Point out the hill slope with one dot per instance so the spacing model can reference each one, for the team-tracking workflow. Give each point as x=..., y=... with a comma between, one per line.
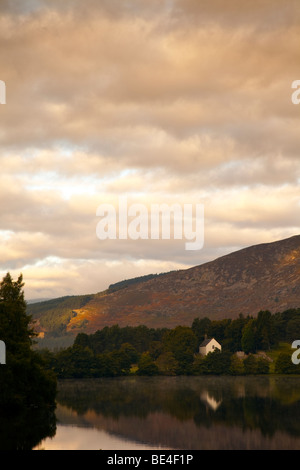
x=265, y=276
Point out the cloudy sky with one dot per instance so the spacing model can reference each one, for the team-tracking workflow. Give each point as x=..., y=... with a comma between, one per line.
x=161, y=101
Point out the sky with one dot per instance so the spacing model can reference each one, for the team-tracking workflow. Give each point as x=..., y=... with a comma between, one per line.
x=161, y=101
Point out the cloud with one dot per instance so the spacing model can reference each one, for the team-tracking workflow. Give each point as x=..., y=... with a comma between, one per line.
x=185, y=101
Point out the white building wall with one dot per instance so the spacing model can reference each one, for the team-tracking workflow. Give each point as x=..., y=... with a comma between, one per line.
x=210, y=347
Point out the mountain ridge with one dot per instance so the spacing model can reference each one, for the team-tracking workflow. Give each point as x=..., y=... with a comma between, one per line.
x=260, y=277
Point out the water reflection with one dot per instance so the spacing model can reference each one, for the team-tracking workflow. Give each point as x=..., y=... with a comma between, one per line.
x=87, y=438
x=25, y=428
x=210, y=401
x=180, y=413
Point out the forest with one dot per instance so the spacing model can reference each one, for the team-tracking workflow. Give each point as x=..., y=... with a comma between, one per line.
x=115, y=351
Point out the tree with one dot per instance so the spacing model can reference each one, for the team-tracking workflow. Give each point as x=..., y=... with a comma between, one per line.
x=249, y=337
x=293, y=328
x=233, y=334
x=155, y=349
x=181, y=342
x=200, y=327
x=266, y=336
x=250, y=365
x=82, y=339
x=218, y=363
x=15, y=327
x=218, y=329
x=146, y=365
x=263, y=366
x=23, y=378
x=200, y=365
x=284, y=364
x=167, y=364
x=236, y=365
x=128, y=356
x=256, y=365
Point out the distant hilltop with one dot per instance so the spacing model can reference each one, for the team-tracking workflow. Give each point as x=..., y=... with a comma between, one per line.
x=135, y=280
x=260, y=277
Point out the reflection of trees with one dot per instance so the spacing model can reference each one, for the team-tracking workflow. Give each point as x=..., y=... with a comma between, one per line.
x=26, y=428
x=248, y=404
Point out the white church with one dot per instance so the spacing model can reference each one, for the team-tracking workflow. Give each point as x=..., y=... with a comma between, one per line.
x=209, y=345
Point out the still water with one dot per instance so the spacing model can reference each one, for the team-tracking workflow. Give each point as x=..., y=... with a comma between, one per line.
x=187, y=413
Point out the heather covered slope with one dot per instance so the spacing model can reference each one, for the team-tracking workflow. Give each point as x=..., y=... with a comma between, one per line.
x=260, y=277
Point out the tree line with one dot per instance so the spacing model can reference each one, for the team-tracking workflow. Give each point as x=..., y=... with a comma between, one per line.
x=115, y=351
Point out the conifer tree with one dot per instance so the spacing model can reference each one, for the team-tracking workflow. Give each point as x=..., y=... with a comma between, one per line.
x=23, y=379
x=15, y=325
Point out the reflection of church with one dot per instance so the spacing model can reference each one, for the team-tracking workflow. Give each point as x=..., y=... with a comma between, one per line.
x=210, y=401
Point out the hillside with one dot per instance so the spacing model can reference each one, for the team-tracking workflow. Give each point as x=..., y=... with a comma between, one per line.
x=260, y=277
